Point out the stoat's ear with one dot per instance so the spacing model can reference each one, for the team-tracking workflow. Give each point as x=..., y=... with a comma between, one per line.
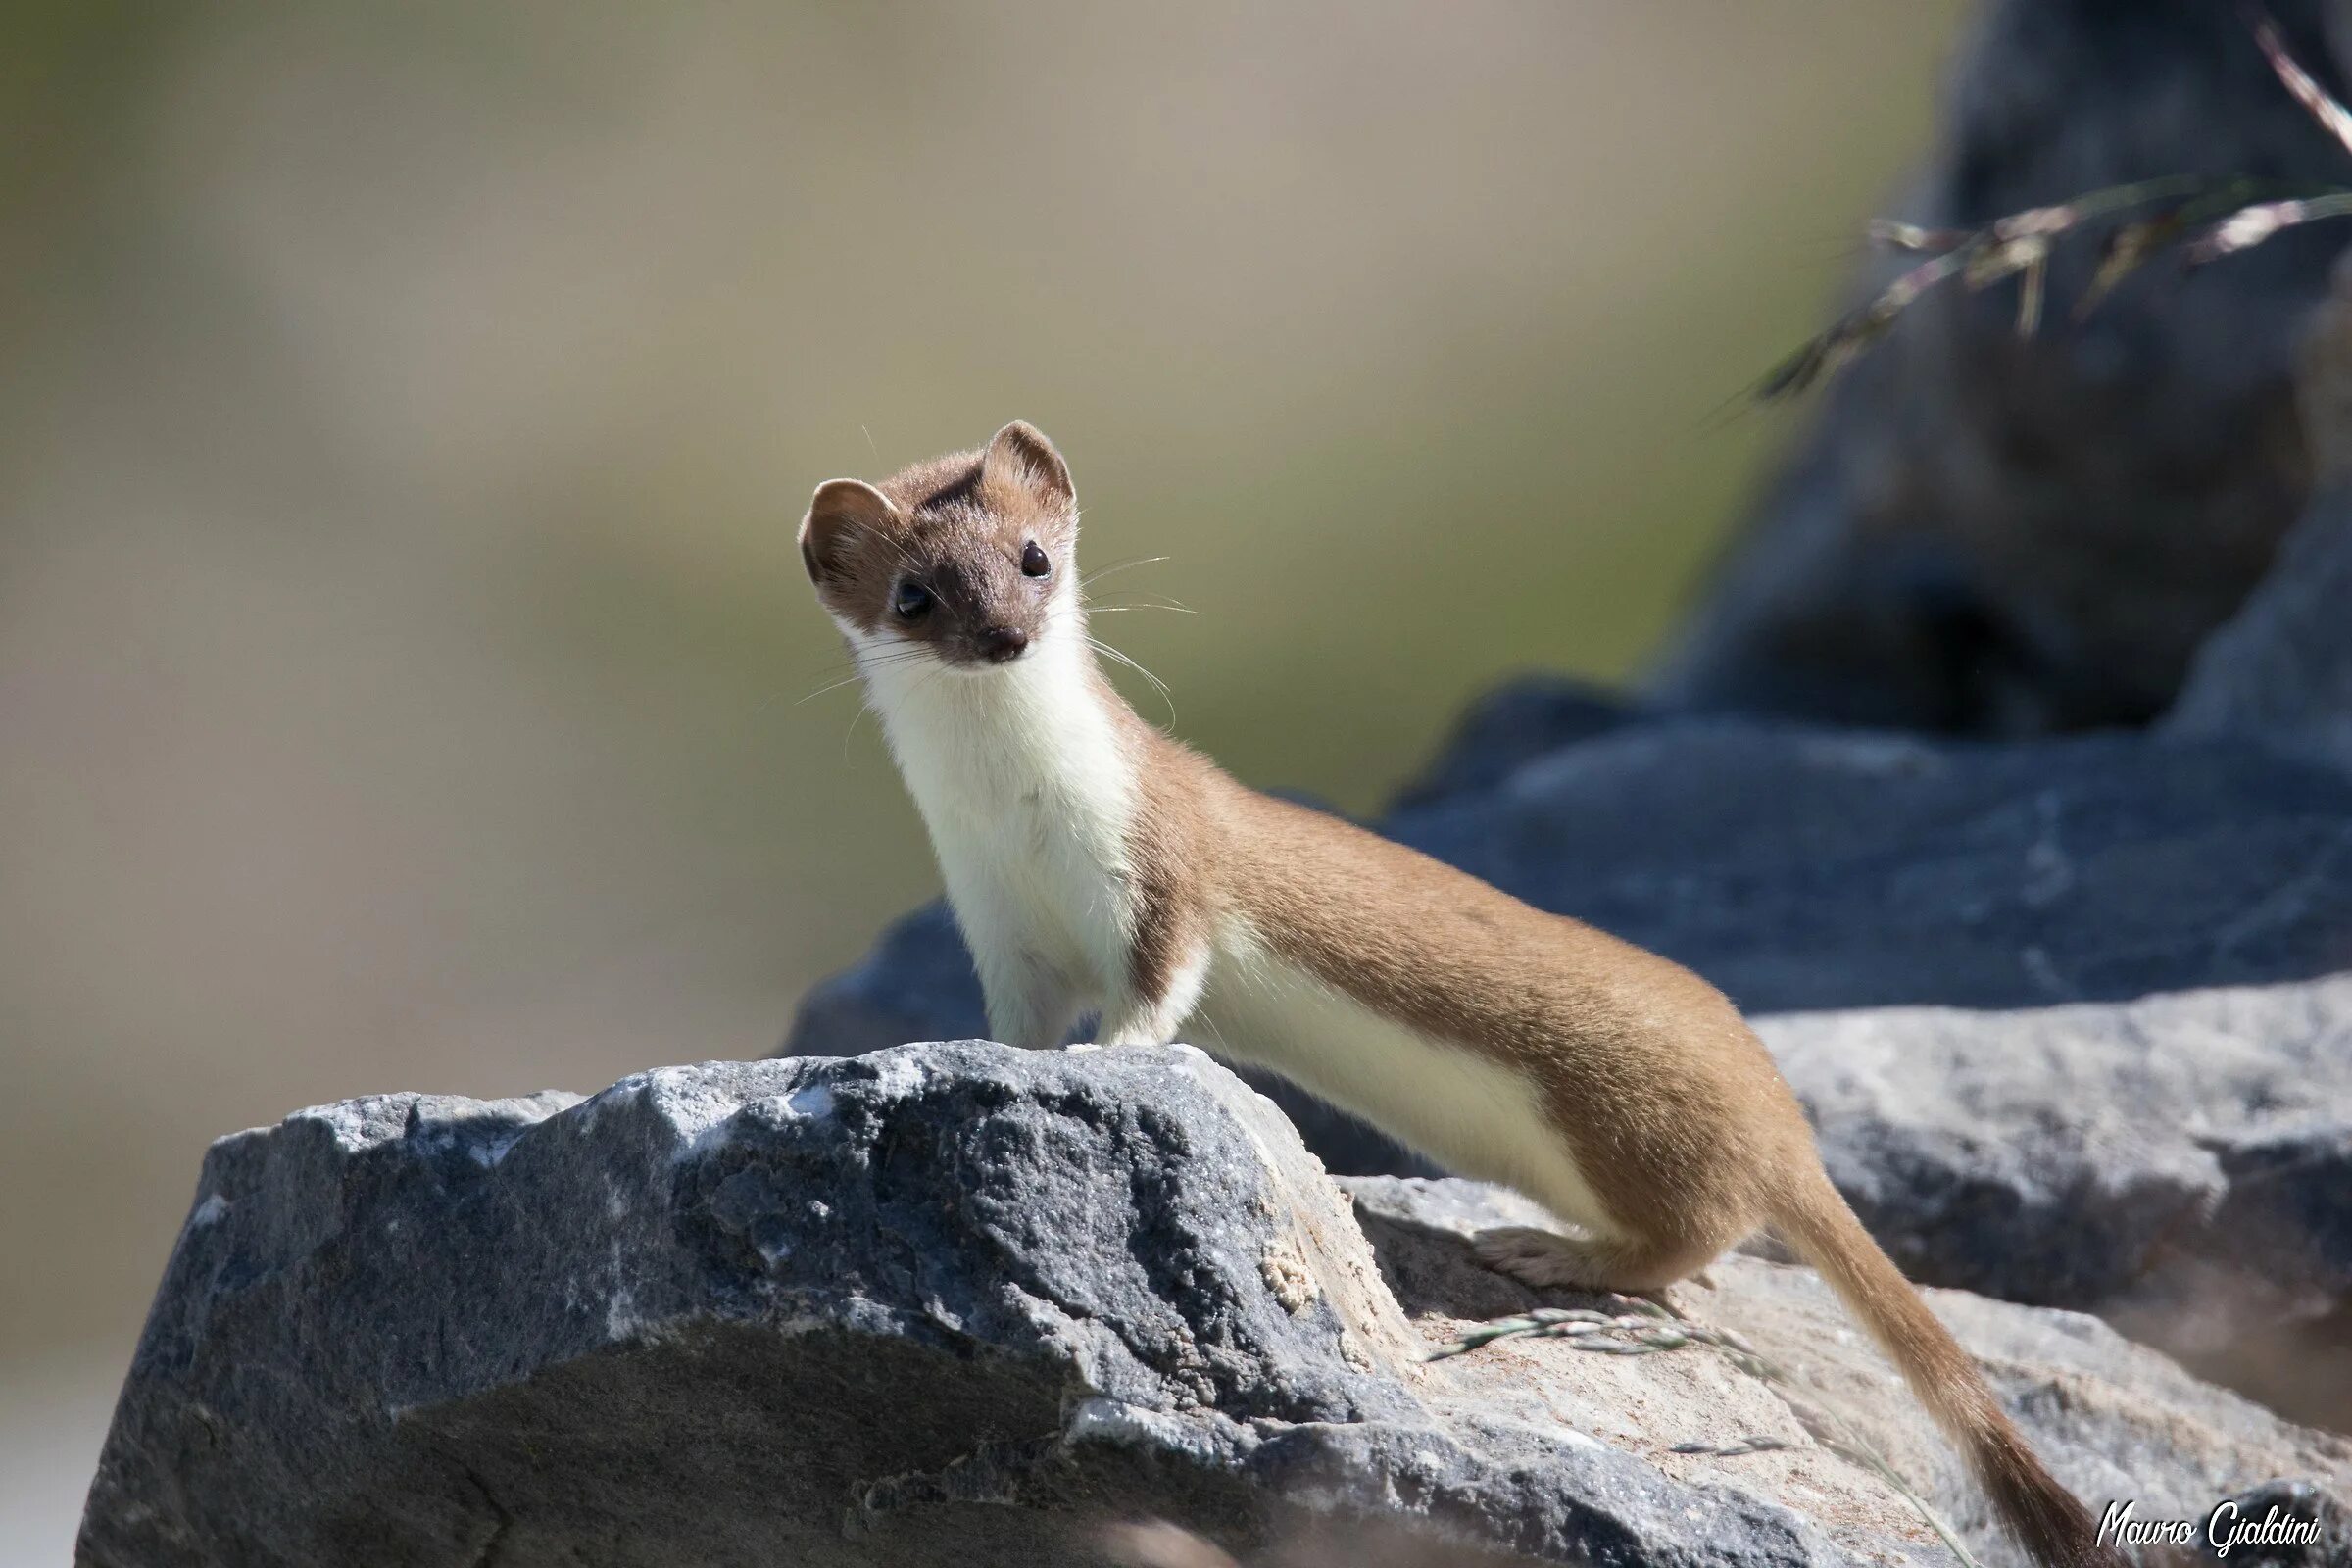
x=1020, y=456
x=838, y=515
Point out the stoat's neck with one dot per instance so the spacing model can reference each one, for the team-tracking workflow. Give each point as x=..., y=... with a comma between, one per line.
x=1040, y=738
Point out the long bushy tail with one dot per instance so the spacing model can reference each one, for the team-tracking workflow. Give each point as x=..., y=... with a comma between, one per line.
x=2046, y=1519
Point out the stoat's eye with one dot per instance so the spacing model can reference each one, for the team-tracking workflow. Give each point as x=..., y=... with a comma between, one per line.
x=910, y=602
x=1033, y=561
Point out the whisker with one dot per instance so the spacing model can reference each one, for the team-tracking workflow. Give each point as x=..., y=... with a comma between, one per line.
x=1093, y=578
x=880, y=661
x=830, y=686
x=1112, y=610
x=859, y=666
x=1108, y=652
x=870, y=659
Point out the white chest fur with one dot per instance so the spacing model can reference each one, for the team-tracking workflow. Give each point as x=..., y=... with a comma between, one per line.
x=1022, y=778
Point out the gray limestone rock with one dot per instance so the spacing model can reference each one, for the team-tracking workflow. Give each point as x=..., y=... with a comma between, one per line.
x=2183, y=1164
x=2112, y=1419
x=957, y=1304
x=1803, y=869
x=944, y=1303
x=2281, y=670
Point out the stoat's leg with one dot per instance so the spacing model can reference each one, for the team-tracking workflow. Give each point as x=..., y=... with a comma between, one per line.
x=1134, y=1020
x=1548, y=1260
x=1029, y=1004
x=1141, y=1023
x=1033, y=1019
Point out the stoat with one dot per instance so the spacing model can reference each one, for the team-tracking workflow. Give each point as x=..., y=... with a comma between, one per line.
x=1099, y=867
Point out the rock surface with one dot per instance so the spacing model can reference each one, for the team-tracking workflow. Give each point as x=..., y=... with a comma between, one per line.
x=2095, y=1154
x=2183, y=1164
x=1984, y=534
x=1804, y=870
x=2281, y=670
x=2111, y=1418
x=2282, y=667
x=1512, y=725
x=954, y=1303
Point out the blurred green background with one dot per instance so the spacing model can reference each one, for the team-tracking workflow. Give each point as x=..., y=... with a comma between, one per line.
x=405, y=411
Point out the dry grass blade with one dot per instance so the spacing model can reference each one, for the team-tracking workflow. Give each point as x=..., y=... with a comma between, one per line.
x=2020, y=244
x=1737, y=1447
x=1832, y=351
x=2128, y=245
x=2029, y=288
x=1897, y=235
x=1989, y=263
x=2249, y=227
x=2308, y=93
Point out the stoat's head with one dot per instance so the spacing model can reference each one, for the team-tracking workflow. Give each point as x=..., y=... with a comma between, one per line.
x=968, y=557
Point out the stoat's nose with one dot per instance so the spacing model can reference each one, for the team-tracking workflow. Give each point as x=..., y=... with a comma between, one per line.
x=998, y=644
